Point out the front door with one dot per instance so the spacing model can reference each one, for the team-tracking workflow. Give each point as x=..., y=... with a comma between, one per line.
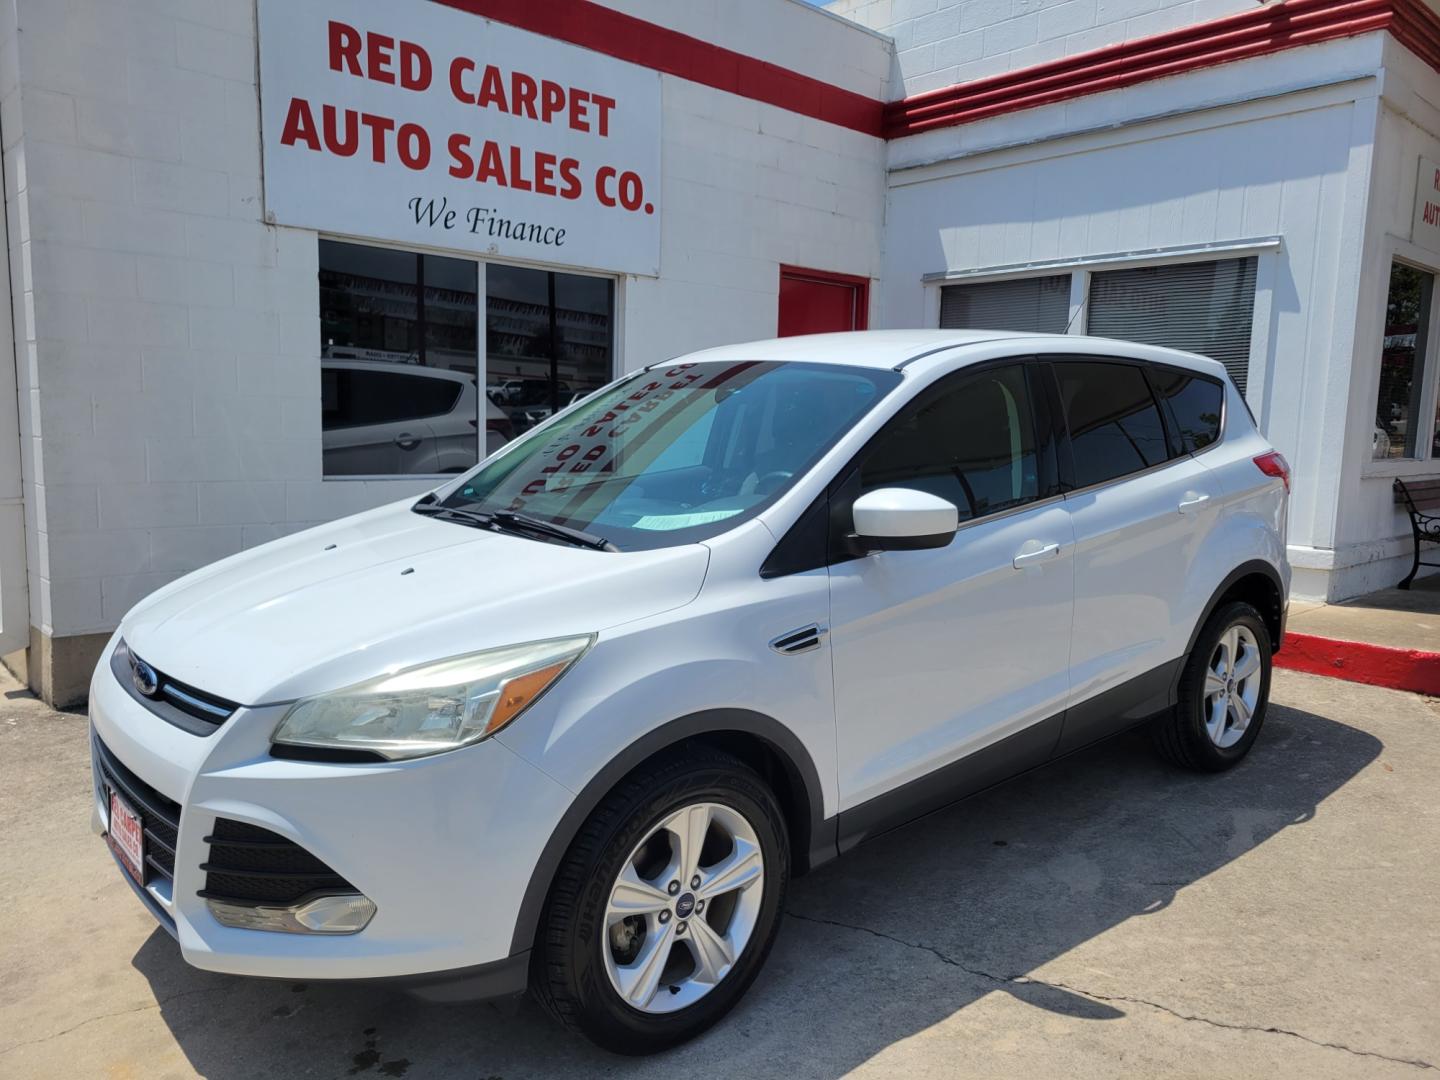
x=817, y=302
x=951, y=665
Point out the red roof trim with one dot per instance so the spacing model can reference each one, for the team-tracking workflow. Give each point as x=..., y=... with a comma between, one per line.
x=604, y=30
x=1269, y=29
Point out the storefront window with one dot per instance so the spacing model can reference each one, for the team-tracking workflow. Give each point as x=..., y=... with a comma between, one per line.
x=548, y=338
x=1399, y=428
x=402, y=361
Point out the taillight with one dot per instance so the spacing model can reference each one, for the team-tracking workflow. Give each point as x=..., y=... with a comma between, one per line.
x=1274, y=464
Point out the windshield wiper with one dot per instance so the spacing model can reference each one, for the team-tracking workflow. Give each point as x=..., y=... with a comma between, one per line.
x=524, y=522
x=473, y=518
x=511, y=522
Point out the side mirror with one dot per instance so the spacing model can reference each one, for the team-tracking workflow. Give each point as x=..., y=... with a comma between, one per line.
x=902, y=519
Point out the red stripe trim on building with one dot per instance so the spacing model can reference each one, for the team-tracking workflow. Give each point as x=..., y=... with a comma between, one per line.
x=625, y=37
x=1269, y=29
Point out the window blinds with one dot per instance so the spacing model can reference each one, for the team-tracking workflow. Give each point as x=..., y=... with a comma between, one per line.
x=1204, y=307
x=1039, y=305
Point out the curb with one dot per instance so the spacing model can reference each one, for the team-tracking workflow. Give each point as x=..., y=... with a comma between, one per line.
x=1359, y=661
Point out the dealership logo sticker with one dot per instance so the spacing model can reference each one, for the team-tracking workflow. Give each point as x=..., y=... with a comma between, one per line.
x=445, y=128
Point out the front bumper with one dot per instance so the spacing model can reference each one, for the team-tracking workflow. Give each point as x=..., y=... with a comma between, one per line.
x=444, y=846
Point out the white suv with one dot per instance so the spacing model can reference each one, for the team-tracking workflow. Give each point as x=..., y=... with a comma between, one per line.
x=572, y=720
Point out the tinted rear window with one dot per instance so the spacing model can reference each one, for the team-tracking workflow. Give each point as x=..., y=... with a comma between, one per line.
x=1114, y=423
x=352, y=398
x=1195, y=403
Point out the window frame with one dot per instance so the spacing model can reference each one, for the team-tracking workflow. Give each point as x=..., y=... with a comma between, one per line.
x=1407, y=254
x=420, y=481
x=1167, y=421
x=844, y=489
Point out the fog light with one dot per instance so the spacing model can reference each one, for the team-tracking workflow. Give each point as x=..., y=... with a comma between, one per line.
x=339, y=913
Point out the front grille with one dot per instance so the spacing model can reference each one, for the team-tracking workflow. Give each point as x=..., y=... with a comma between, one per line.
x=173, y=701
x=159, y=816
x=251, y=865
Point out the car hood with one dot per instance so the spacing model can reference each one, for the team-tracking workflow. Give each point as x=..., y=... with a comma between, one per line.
x=386, y=590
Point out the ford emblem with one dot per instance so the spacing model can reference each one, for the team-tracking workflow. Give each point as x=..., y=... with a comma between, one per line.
x=144, y=677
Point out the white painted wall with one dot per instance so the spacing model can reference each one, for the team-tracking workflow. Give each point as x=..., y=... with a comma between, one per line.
x=1292, y=163
x=1372, y=546
x=14, y=579
x=943, y=42
x=169, y=337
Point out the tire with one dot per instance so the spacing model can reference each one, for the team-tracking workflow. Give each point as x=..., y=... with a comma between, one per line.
x=1201, y=734
x=585, y=953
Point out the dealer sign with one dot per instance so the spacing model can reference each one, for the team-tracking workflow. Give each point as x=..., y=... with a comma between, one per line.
x=1425, y=227
x=420, y=123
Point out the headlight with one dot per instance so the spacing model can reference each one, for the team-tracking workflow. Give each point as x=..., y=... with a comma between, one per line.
x=435, y=707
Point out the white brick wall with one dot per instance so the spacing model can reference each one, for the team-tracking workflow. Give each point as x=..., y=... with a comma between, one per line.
x=167, y=337
x=943, y=42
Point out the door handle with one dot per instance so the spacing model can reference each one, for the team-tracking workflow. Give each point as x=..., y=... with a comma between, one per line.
x=1033, y=552
x=406, y=441
x=1193, y=500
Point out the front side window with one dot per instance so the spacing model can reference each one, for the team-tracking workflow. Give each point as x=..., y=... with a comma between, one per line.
x=1115, y=427
x=1195, y=403
x=677, y=454
x=1398, y=419
x=972, y=444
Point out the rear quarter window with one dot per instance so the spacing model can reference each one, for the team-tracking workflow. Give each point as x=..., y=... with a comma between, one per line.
x=1195, y=403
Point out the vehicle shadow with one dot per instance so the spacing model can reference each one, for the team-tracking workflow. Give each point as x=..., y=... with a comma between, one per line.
x=878, y=946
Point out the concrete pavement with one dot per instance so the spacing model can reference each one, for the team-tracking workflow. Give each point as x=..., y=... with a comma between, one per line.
x=1105, y=916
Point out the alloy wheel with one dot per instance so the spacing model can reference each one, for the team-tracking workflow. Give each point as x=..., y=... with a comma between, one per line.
x=683, y=907
x=1232, y=686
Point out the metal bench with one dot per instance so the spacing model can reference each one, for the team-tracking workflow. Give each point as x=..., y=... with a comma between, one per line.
x=1421, y=498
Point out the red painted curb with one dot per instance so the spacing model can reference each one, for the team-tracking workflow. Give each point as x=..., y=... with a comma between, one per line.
x=1359, y=661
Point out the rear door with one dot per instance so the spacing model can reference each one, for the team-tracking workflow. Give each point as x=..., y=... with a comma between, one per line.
x=1140, y=506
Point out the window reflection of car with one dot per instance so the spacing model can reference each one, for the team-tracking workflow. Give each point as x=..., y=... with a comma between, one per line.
x=383, y=418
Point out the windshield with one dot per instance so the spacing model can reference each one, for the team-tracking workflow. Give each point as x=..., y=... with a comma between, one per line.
x=678, y=454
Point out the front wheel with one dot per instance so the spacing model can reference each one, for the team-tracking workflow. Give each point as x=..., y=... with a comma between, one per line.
x=666, y=904
x=1224, y=691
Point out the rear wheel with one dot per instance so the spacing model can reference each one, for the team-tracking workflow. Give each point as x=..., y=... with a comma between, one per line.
x=666, y=904
x=1224, y=691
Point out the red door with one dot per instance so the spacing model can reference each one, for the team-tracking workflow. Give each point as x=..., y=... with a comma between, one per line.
x=816, y=301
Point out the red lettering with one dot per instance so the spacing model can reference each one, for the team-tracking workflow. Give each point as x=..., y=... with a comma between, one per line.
x=379, y=53
x=491, y=167
x=379, y=127
x=462, y=165
x=552, y=99
x=570, y=178
x=413, y=143
x=415, y=69
x=544, y=173
x=300, y=125
x=579, y=99
x=460, y=67
x=517, y=171
x=522, y=93
x=605, y=104
x=344, y=48
x=602, y=185
x=492, y=90
x=345, y=144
